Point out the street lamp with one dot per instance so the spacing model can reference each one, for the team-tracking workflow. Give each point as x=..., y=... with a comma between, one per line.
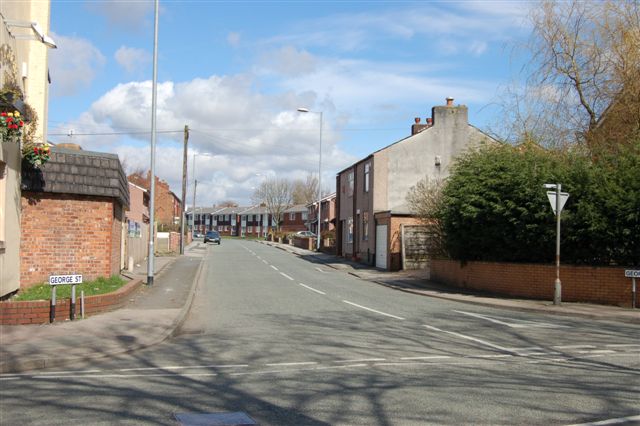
x=195, y=187
x=152, y=183
x=305, y=110
x=557, y=199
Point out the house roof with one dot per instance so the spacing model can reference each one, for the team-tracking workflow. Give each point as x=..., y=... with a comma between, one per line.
x=79, y=172
x=296, y=209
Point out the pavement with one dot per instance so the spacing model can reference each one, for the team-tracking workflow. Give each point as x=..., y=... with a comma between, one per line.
x=155, y=313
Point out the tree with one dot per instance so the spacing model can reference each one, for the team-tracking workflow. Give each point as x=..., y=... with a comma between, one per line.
x=585, y=57
x=424, y=200
x=275, y=193
x=305, y=191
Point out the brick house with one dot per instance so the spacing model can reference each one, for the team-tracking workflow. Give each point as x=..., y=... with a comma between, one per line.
x=295, y=219
x=327, y=215
x=73, y=216
x=371, y=193
x=254, y=221
x=168, y=206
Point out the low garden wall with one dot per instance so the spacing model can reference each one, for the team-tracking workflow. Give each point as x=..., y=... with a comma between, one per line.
x=37, y=311
x=602, y=285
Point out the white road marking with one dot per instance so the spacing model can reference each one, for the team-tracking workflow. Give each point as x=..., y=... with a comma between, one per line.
x=362, y=360
x=290, y=363
x=415, y=358
x=320, y=270
x=617, y=421
x=489, y=356
x=294, y=370
x=265, y=262
x=312, y=289
x=482, y=342
x=517, y=324
x=624, y=345
x=286, y=276
x=259, y=257
x=274, y=267
x=184, y=367
x=372, y=310
x=9, y=378
x=126, y=376
x=601, y=351
x=574, y=347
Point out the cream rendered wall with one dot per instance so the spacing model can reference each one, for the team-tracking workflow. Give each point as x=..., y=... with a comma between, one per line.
x=13, y=53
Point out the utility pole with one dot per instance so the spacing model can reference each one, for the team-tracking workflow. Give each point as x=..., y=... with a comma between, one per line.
x=152, y=184
x=184, y=187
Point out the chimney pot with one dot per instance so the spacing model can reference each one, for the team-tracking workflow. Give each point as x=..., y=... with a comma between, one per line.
x=449, y=101
x=429, y=121
x=417, y=120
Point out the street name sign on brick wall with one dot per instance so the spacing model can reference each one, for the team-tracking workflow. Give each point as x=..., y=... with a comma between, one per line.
x=631, y=273
x=65, y=279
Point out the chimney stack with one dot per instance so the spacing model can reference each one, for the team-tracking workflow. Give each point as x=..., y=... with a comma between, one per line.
x=449, y=101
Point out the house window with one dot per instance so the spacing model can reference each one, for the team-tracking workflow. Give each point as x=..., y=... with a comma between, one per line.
x=350, y=230
x=220, y=228
x=350, y=186
x=249, y=229
x=250, y=218
x=365, y=226
x=305, y=215
x=292, y=216
x=367, y=170
x=226, y=217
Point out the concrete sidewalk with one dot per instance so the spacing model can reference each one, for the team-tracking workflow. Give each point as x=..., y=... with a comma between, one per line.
x=417, y=282
x=151, y=315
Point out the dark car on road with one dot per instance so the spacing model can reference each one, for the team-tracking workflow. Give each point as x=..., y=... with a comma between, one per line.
x=212, y=236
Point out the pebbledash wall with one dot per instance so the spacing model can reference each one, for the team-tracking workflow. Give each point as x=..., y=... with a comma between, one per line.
x=602, y=285
x=72, y=216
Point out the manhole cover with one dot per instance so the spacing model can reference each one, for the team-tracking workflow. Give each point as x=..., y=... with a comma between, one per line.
x=215, y=419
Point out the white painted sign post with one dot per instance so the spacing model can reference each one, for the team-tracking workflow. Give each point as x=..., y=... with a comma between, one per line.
x=56, y=280
x=557, y=199
x=633, y=274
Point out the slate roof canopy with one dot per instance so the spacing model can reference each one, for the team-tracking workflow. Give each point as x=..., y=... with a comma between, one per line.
x=79, y=172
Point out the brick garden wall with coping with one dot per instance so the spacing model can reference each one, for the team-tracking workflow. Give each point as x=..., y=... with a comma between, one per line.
x=37, y=311
x=602, y=285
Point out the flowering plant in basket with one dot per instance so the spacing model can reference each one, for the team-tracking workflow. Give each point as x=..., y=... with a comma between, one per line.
x=11, y=124
x=36, y=154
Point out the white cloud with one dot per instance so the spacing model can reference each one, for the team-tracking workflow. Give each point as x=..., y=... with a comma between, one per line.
x=132, y=59
x=289, y=61
x=74, y=65
x=125, y=15
x=245, y=132
x=233, y=39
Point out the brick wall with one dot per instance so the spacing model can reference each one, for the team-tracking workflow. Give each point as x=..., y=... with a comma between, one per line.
x=64, y=234
x=601, y=285
x=165, y=203
x=37, y=311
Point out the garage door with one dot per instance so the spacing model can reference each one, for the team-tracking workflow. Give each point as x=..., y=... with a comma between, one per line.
x=381, y=246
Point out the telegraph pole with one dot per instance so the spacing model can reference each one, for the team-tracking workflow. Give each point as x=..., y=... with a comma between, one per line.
x=184, y=187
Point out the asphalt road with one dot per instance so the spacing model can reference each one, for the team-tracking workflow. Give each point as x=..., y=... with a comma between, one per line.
x=289, y=342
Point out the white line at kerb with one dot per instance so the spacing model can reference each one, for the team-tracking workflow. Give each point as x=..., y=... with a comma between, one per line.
x=372, y=310
x=311, y=288
x=274, y=267
x=619, y=420
x=482, y=342
x=286, y=276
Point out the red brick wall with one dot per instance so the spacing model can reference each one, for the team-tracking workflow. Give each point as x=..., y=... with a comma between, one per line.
x=579, y=283
x=166, y=206
x=37, y=312
x=64, y=234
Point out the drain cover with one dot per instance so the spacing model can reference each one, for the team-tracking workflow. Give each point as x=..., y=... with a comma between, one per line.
x=215, y=419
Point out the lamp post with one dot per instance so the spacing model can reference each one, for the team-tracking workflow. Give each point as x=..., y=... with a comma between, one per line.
x=557, y=199
x=152, y=184
x=306, y=110
x=195, y=187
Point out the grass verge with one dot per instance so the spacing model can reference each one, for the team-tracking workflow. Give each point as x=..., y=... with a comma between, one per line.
x=98, y=286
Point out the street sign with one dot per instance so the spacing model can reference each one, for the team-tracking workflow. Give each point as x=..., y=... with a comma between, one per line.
x=551, y=195
x=65, y=279
x=631, y=273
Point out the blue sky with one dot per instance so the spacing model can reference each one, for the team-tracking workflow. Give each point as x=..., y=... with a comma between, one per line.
x=236, y=72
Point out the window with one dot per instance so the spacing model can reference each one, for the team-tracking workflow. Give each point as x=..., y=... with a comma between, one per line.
x=365, y=226
x=250, y=218
x=226, y=217
x=220, y=228
x=367, y=170
x=305, y=215
x=350, y=187
x=350, y=230
x=292, y=216
x=249, y=229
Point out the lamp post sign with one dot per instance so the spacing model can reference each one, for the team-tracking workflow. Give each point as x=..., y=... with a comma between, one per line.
x=56, y=280
x=557, y=199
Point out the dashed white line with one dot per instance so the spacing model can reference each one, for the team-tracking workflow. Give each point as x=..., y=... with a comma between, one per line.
x=9, y=378
x=320, y=270
x=265, y=262
x=602, y=351
x=290, y=363
x=617, y=421
x=482, y=342
x=184, y=367
x=623, y=345
x=574, y=347
x=372, y=310
x=362, y=360
x=286, y=276
x=273, y=267
x=312, y=289
x=416, y=358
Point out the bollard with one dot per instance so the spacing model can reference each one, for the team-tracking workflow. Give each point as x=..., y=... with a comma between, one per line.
x=52, y=309
x=82, y=303
x=72, y=314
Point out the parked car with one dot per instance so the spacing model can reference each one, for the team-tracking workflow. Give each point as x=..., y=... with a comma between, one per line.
x=305, y=234
x=212, y=236
x=197, y=235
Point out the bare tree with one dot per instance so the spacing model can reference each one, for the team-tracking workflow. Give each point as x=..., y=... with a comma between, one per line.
x=276, y=195
x=305, y=191
x=424, y=200
x=585, y=56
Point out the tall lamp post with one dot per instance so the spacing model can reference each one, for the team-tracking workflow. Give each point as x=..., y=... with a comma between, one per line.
x=318, y=236
x=152, y=184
